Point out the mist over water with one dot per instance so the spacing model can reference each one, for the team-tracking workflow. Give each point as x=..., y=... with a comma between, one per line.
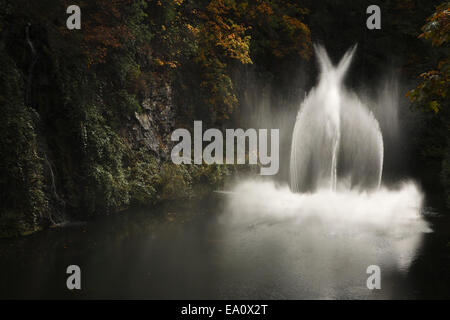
x=320, y=243
x=371, y=219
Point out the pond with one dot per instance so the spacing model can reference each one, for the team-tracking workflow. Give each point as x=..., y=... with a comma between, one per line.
x=197, y=249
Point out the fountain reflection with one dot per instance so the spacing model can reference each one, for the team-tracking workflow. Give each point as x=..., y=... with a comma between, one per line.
x=322, y=242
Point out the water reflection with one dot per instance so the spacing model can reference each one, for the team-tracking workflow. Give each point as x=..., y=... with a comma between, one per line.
x=258, y=242
x=319, y=245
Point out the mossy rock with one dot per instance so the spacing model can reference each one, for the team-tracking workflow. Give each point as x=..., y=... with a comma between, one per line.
x=14, y=224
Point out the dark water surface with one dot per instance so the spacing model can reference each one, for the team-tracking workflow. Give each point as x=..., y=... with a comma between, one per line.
x=182, y=251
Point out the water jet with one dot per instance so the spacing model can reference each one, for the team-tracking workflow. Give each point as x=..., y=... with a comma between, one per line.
x=336, y=139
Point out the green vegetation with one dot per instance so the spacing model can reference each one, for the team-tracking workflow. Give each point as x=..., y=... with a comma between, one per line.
x=21, y=166
x=431, y=95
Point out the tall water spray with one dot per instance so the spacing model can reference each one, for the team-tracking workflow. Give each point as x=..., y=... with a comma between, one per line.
x=336, y=139
x=317, y=238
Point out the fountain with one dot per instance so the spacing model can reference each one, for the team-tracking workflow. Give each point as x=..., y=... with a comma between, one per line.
x=316, y=237
x=336, y=139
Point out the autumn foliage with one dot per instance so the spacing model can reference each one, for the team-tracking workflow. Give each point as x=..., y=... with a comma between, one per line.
x=432, y=91
x=212, y=38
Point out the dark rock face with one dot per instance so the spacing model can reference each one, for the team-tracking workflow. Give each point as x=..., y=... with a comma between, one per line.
x=153, y=126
